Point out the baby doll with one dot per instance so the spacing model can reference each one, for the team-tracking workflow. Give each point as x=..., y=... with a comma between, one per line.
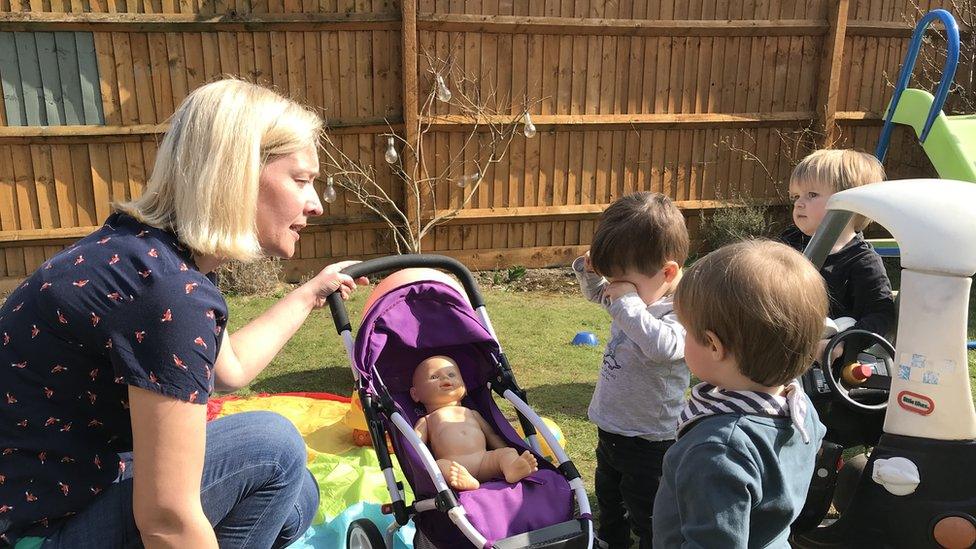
x=459, y=437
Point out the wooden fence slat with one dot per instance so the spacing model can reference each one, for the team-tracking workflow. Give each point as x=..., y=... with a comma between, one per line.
x=30, y=77
x=196, y=71
x=47, y=201
x=65, y=65
x=13, y=87
x=175, y=60
x=313, y=68
x=263, y=67
x=47, y=60
x=101, y=176
x=160, y=70
x=120, y=172
x=210, y=45
x=82, y=178
x=27, y=212
x=135, y=168
x=125, y=83
x=295, y=52
x=89, y=81
x=13, y=258
x=107, y=78
x=64, y=185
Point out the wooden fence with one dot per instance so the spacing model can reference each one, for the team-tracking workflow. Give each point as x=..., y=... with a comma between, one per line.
x=703, y=100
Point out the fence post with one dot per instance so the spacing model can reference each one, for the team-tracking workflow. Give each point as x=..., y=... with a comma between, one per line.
x=411, y=117
x=830, y=69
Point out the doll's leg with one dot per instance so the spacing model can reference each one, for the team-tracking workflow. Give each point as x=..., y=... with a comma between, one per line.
x=456, y=475
x=508, y=463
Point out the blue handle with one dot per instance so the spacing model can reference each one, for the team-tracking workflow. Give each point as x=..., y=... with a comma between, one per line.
x=948, y=73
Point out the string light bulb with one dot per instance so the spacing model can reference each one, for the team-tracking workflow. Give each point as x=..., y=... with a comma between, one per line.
x=390, y=155
x=529, y=129
x=443, y=94
x=465, y=180
x=329, y=194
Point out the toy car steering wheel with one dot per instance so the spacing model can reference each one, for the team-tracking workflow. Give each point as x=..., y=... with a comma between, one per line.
x=877, y=384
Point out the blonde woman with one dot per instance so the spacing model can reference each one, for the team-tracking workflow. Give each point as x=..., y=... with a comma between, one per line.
x=112, y=348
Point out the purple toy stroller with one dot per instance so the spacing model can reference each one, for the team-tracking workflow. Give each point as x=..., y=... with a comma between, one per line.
x=403, y=327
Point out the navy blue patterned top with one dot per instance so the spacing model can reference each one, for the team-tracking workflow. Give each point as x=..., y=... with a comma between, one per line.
x=123, y=306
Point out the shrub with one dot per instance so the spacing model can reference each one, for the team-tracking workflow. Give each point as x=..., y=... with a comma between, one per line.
x=737, y=222
x=259, y=277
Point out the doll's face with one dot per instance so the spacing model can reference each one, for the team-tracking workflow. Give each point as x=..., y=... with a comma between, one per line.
x=437, y=380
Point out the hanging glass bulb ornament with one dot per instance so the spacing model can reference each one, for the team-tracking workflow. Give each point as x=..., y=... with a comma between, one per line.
x=329, y=194
x=466, y=180
x=390, y=155
x=529, y=129
x=443, y=94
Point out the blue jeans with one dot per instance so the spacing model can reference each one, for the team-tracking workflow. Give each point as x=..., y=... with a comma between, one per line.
x=255, y=490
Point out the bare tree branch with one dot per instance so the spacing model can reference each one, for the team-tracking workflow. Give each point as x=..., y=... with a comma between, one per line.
x=489, y=131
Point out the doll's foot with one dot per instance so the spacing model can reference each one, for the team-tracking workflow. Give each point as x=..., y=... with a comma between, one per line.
x=521, y=467
x=460, y=479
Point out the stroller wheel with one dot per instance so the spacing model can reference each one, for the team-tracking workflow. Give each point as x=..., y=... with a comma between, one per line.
x=363, y=534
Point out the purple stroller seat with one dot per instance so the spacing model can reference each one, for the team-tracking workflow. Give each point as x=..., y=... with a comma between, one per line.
x=402, y=328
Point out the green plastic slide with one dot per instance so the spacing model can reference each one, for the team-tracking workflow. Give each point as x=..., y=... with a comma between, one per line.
x=951, y=144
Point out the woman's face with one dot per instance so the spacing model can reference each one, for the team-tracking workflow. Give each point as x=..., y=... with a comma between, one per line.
x=286, y=199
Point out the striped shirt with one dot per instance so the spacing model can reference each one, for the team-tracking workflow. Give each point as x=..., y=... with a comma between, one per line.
x=707, y=400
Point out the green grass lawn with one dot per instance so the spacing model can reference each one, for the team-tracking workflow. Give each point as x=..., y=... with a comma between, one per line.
x=534, y=330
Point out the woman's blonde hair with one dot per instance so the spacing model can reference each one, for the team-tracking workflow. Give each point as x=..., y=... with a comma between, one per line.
x=204, y=184
x=839, y=170
x=763, y=300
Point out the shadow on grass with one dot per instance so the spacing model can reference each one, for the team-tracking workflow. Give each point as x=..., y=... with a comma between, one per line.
x=569, y=399
x=332, y=379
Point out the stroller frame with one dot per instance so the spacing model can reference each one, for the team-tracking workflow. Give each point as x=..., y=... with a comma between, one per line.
x=568, y=534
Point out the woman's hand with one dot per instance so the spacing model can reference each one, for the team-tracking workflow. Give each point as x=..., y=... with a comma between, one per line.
x=330, y=280
x=253, y=346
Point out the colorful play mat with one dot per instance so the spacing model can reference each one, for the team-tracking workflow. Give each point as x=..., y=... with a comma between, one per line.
x=351, y=484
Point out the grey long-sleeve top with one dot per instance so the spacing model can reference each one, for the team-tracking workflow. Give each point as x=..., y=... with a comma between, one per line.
x=643, y=377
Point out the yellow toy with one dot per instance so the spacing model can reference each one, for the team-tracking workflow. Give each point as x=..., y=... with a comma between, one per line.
x=543, y=445
x=356, y=420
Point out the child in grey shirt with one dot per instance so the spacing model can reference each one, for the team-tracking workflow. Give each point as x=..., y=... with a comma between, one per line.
x=632, y=269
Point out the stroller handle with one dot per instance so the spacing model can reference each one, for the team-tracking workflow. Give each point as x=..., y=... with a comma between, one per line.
x=395, y=263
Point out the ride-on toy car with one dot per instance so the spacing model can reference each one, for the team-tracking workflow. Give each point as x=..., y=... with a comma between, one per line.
x=918, y=485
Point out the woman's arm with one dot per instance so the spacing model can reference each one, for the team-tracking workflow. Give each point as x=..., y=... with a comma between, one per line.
x=250, y=349
x=169, y=442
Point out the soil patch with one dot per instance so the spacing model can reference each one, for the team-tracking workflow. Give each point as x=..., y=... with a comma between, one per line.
x=551, y=281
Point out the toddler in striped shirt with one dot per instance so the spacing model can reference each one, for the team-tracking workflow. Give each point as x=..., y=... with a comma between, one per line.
x=748, y=436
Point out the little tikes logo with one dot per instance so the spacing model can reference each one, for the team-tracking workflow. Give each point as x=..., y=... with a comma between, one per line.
x=916, y=403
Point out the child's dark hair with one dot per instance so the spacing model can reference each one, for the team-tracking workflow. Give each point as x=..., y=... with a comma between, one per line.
x=641, y=232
